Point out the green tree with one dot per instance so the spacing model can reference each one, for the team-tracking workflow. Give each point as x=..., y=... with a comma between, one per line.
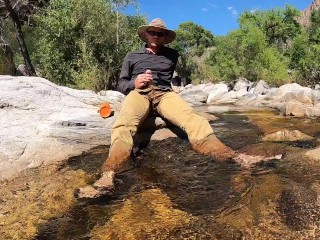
x=305, y=51
x=78, y=44
x=314, y=29
x=299, y=50
x=246, y=53
x=19, y=12
x=279, y=25
x=191, y=42
x=227, y=55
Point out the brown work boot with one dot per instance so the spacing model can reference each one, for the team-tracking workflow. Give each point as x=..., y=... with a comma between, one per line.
x=102, y=187
x=119, y=154
x=211, y=145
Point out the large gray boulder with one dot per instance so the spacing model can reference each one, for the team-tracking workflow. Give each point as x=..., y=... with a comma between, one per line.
x=242, y=83
x=209, y=87
x=312, y=111
x=43, y=123
x=194, y=96
x=293, y=108
x=294, y=100
x=217, y=92
x=292, y=87
x=315, y=96
x=231, y=97
x=253, y=100
x=300, y=96
x=261, y=87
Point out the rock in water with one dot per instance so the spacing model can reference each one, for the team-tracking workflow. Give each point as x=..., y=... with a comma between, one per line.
x=248, y=160
x=287, y=135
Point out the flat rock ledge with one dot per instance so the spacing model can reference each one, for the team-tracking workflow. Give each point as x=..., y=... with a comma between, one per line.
x=43, y=122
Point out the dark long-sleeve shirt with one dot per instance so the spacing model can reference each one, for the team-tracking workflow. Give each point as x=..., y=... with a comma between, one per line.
x=161, y=64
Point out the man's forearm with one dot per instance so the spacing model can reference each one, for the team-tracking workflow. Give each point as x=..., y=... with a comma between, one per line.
x=125, y=86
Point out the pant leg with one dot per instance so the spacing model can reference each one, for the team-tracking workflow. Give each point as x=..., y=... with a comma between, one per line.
x=135, y=108
x=172, y=107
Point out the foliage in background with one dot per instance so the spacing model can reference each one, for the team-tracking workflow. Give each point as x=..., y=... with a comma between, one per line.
x=19, y=12
x=278, y=25
x=245, y=53
x=260, y=49
x=305, y=52
x=191, y=42
x=77, y=44
x=82, y=44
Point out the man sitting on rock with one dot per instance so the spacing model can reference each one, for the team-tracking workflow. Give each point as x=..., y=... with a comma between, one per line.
x=145, y=78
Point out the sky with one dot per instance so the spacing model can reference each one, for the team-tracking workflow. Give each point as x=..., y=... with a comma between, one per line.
x=219, y=17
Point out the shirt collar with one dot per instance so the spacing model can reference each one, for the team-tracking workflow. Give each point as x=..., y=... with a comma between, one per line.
x=144, y=49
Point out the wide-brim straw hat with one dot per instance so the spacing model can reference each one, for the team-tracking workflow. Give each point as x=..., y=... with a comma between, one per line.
x=160, y=24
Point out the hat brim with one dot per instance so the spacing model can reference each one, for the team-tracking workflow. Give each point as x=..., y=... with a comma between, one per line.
x=168, y=38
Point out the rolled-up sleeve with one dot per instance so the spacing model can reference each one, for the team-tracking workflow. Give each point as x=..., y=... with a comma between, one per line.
x=126, y=84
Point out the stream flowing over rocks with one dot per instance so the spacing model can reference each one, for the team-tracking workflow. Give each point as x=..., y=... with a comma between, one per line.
x=44, y=123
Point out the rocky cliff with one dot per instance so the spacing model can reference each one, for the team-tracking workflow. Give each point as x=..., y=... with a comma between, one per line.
x=305, y=15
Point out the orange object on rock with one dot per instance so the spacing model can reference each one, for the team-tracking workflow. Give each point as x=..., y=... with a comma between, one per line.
x=105, y=110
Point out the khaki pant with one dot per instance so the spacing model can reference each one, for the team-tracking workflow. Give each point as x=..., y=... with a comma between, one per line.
x=135, y=109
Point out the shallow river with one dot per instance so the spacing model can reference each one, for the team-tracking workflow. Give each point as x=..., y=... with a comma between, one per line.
x=171, y=192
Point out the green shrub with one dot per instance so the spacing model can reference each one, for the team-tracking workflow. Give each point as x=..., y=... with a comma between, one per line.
x=77, y=43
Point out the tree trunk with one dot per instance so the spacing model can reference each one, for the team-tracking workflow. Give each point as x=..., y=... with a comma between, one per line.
x=20, y=37
x=117, y=29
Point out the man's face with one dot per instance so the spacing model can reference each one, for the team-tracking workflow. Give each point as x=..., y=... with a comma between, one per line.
x=155, y=37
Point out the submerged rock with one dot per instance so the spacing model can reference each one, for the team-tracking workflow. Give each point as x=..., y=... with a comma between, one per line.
x=175, y=193
x=299, y=209
x=34, y=197
x=314, y=154
x=287, y=135
x=248, y=160
x=148, y=213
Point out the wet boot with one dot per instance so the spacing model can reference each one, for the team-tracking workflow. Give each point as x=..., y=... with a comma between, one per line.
x=211, y=145
x=104, y=186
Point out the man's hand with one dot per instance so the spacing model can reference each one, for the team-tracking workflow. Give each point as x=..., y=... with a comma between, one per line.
x=143, y=80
